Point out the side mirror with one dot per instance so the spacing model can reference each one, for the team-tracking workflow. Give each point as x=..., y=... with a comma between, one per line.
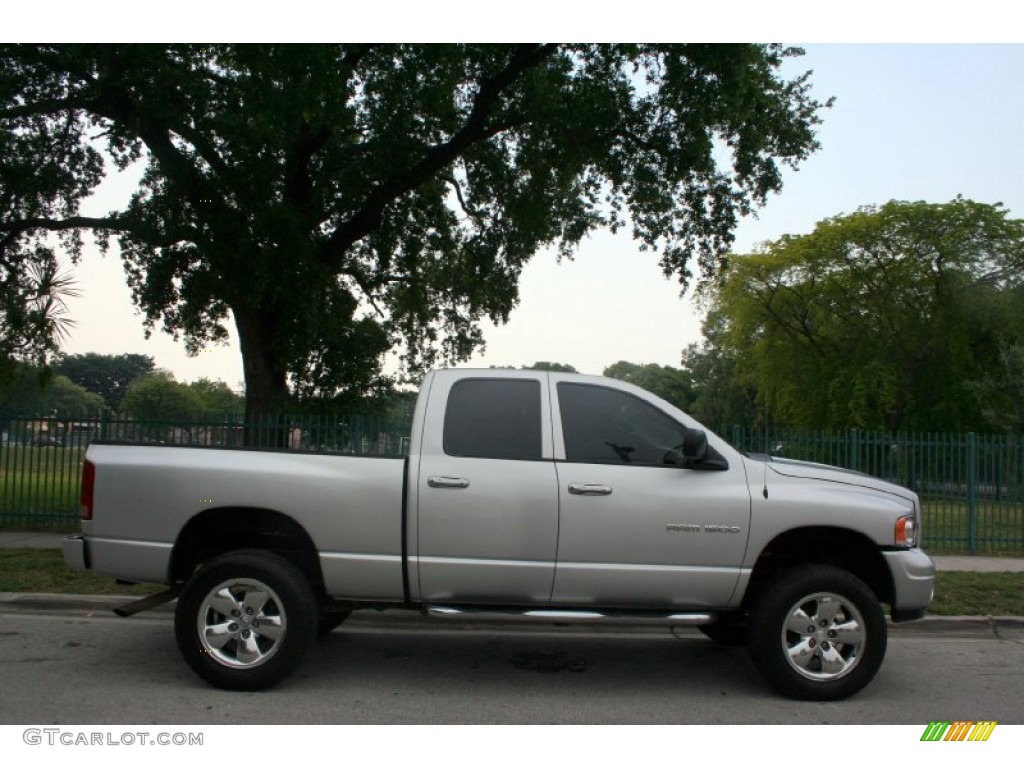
x=693, y=450
x=695, y=446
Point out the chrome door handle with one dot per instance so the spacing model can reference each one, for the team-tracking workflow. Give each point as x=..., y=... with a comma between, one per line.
x=589, y=489
x=447, y=482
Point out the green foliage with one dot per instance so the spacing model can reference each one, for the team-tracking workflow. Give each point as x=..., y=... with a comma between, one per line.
x=106, y=375
x=891, y=317
x=158, y=397
x=21, y=389
x=217, y=399
x=344, y=200
x=674, y=385
x=33, y=313
x=34, y=391
x=547, y=366
x=64, y=396
x=47, y=167
x=1000, y=389
x=721, y=398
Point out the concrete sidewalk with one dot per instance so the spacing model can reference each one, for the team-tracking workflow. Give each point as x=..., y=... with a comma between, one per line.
x=942, y=562
x=13, y=540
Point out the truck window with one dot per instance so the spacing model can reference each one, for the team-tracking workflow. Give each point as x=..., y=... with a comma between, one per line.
x=493, y=419
x=606, y=426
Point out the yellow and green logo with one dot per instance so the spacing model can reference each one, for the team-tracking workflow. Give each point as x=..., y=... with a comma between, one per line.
x=960, y=730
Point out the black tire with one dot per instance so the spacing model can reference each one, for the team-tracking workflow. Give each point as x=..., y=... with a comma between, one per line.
x=812, y=662
x=730, y=630
x=246, y=619
x=331, y=620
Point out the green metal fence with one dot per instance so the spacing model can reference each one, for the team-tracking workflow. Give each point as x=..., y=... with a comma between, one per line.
x=971, y=486
x=41, y=456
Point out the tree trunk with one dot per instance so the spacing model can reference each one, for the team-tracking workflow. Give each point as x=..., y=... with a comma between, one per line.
x=266, y=381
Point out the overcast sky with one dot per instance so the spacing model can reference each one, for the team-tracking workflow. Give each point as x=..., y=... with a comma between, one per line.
x=910, y=122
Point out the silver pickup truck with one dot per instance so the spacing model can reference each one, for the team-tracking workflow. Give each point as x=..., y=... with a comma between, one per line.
x=527, y=496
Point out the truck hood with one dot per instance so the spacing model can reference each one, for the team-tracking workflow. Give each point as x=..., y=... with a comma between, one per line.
x=808, y=470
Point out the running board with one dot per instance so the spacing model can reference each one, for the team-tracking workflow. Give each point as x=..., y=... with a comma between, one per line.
x=646, y=618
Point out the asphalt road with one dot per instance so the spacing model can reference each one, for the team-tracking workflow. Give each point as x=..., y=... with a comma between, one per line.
x=72, y=667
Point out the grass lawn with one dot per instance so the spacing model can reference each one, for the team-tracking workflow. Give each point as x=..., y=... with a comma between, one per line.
x=978, y=594
x=39, y=487
x=43, y=570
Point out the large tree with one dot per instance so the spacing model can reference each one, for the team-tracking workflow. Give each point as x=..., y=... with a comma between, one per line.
x=896, y=316
x=339, y=201
x=106, y=375
x=28, y=391
x=674, y=385
x=157, y=397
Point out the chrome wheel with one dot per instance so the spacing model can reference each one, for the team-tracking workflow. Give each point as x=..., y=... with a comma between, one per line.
x=817, y=632
x=245, y=619
x=241, y=623
x=823, y=636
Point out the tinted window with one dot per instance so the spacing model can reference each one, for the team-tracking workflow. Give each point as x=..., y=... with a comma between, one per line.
x=606, y=426
x=493, y=419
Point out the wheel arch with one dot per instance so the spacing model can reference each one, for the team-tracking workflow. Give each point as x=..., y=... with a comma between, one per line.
x=828, y=545
x=214, y=532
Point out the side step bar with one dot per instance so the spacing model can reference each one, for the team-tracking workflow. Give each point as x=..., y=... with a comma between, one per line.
x=554, y=616
x=146, y=603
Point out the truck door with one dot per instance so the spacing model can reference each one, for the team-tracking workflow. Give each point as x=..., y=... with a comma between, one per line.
x=486, y=522
x=636, y=528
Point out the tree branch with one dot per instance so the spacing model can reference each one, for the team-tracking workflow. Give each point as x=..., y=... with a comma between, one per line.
x=475, y=130
x=114, y=223
x=205, y=149
x=45, y=107
x=58, y=225
x=473, y=214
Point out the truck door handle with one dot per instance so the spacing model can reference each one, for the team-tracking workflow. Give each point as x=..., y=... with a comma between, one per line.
x=589, y=489
x=447, y=482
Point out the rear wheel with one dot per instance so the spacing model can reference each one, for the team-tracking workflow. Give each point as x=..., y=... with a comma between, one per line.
x=245, y=620
x=818, y=633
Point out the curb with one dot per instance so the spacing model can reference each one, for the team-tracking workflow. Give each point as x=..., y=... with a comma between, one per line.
x=1003, y=627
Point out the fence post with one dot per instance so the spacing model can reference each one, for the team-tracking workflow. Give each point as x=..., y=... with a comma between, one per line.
x=737, y=437
x=972, y=492
x=854, y=450
x=909, y=456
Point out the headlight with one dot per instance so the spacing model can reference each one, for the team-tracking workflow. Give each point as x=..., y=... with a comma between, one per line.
x=907, y=531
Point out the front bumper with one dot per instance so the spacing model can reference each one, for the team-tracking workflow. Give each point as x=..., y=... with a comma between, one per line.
x=76, y=552
x=913, y=579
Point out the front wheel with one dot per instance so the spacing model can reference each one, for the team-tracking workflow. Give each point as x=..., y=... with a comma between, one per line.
x=818, y=633
x=245, y=620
